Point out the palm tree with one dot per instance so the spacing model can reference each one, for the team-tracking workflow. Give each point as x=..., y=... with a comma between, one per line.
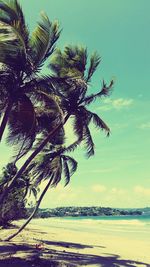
x=70, y=84
x=72, y=65
x=24, y=182
x=14, y=204
x=51, y=166
x=22, y=56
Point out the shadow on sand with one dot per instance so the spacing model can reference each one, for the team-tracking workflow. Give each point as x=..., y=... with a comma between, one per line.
x=19, y=255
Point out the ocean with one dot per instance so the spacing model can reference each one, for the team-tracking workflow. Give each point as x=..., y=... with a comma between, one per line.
x=135, y=227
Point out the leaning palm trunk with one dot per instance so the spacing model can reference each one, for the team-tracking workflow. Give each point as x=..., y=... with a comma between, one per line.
x=32, y=214
x=31, y=157
x=5, y=118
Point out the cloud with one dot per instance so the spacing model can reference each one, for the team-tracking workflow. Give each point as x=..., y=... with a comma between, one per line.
x=98, y=188
x=61, y=196
x=145, y=125
x=142, y=190
x=96, y=195
x=118, y=191
x=116, y=104
x=120, y=103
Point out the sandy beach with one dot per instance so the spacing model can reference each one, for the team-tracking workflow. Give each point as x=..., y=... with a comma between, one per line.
x=62, y=246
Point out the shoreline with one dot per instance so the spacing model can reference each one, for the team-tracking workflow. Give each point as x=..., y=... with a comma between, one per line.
x=65, y=247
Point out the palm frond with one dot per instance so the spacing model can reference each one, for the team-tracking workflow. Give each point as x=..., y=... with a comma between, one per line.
x=12, y=14
x=73, y=146
x=41, y=169
x=11, y=52
x=72, y=163
x=66, y=171
x=78, y=126
x=57, y=174
x=34, y=191
x=22, y=126
x=94, y=62
x=105, y=91
x=48, y=114
x=69, y=63
x=44, y=83
x=88, y=142
x=76, y=57
x=99, y=123
x=43, y=40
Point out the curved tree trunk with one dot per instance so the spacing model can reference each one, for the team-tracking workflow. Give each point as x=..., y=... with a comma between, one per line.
x=32, y=214
x=31, y=157
x=5, y=118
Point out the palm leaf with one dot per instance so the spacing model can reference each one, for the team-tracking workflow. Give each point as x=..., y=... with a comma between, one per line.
x=43, y=40
x=99, y=123
x=88, y=142
x=76, y=57
x=12, y=14
x=48, y=114
x=105, y=91
x=66, y=171
x=78, y=126
x=22, y=126
x=94, y=62
x=72, y=163
x=41, y=169
x=73, y=146
x=57, y=173
x=43, y=83
x=11, y=52
x=69, y=63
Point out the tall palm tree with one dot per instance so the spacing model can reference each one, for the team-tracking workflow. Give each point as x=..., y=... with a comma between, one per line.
x=51, y=166
x=22, y=56
x=69, y=69
x=72, y=64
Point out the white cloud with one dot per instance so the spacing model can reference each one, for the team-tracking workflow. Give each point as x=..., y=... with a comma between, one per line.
x=145, y=125
x=98, y=188
x=120, y=103
x=142, y=190
x=118, y=191
x=116, y=104
x=61, y=196
x=96, y=195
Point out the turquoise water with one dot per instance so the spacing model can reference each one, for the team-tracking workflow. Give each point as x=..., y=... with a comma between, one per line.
x=134, y=227
x=145, y=218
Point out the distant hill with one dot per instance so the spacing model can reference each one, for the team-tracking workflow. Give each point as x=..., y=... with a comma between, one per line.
x=144, y=211
x=90, y=211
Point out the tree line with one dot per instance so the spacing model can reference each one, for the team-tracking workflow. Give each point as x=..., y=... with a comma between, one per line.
x=86, y=211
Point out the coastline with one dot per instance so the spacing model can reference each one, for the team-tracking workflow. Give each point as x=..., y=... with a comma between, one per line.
x=63, y=246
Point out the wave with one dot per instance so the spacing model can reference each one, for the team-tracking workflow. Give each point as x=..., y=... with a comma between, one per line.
x=99, y=223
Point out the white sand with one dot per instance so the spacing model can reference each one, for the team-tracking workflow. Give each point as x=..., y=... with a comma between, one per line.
x=83, y=248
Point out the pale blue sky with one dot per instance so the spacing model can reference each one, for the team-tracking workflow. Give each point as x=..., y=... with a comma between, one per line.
x=119, y=173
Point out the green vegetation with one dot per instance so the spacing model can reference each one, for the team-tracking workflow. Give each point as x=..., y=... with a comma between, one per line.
x=13, y=207
x=85, y=211
x=35, y=107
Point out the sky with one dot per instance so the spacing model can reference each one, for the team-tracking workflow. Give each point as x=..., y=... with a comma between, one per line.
x=119, y=173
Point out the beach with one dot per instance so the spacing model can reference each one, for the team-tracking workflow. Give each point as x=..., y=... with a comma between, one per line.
x=77, y=243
